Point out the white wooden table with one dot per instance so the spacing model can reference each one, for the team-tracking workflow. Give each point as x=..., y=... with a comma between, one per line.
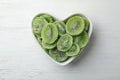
x=21, y=57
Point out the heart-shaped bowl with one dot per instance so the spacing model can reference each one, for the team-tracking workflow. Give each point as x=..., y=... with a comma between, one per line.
x=89, y=35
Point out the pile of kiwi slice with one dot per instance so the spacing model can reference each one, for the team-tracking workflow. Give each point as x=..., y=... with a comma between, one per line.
x=61, y=39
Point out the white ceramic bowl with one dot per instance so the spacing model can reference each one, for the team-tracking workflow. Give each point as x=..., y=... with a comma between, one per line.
x=72, y=58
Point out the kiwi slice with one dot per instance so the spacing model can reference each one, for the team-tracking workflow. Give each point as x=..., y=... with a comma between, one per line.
x=58, y=55
x=61, y=27
x=64, y=42
x=81, y=40
x=75, y=25
x=49, y=33
x=86, y=24
x=74, y=50
x=39, y=39
x=48, y=46
x=37, y=25
x=48, y=18
x=46, y=50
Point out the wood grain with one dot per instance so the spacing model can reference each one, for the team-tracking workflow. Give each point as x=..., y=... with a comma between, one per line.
x=21, y=57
